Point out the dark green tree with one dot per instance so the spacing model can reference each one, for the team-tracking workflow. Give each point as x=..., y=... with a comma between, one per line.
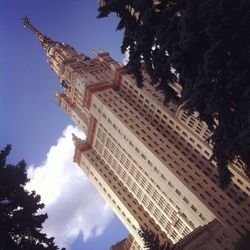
x=151, y=241
x=243, y=243
x=205, y=47
x=20, y=224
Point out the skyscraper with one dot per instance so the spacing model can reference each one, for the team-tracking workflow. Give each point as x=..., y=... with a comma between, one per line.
x=149, y=161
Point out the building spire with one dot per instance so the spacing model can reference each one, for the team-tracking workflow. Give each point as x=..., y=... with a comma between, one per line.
x=44, y=40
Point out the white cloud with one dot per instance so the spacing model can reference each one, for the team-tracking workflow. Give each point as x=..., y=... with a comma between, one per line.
x=126, y=56
x=72, y=204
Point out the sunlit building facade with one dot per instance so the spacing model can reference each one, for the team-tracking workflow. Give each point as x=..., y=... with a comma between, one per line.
x=149, y=161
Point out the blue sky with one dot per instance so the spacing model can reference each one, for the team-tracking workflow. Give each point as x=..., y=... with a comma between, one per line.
x=31, y=120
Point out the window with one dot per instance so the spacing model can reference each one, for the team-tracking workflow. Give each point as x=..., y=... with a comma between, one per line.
x=194, y=208
x=202, y=217
x=163, y=177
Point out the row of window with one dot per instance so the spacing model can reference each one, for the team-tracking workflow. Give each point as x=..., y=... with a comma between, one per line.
x=162, y=175
x=125, y=196
x=112, y=181
x=193, y=186
x=129, y=173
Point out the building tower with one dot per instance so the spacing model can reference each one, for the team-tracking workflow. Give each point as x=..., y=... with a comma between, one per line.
x=149, y=161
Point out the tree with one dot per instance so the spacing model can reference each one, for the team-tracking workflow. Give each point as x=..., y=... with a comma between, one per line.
x=205, y=47
x=20, y=224
x=151, y=241
x=244, y=242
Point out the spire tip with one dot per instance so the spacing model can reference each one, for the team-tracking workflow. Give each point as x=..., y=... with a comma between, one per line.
x=26, y=22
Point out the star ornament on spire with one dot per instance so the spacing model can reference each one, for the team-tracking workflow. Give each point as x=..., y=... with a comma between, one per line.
x=26, y=22
x=44, y=40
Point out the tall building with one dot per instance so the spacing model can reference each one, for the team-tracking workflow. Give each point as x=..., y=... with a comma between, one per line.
x=149, y=161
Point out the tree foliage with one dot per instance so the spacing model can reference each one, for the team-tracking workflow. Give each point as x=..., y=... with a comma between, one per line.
x=20, y=224
x=244, y=242
x=151, y=241
x=205, y=47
